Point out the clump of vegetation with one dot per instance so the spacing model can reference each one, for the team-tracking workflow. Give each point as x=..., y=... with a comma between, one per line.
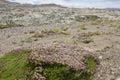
x=96, y=33
x=91, y=64
x=14, y=66
x=54, y=67
x=38, y=35
x=65, y=32
x=82, y=27
x=10, y=23
x=28, y=40
x=54, y=31
x=85, y=37
x=91, y=17
x=80, y=18
x=61, y=72
x=88, y=40
x=118, y=28
x=50, y=65
x=97, y=22
x=32, y=32
x=64, y=28
x=51, y=31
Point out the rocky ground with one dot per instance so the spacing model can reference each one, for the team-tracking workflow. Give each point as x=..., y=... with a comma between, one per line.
x=96, y=30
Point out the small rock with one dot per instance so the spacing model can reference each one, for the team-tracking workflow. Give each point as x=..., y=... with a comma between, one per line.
x=100, y=57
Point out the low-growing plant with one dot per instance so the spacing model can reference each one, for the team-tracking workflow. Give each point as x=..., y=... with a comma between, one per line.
x=88, y=40
x=27, y=40
x=91, y=64
x=64, y=28
x=80, y=18
x=14, y=66
x=57, y=63
x=20, y=65
x=60, y=72
x=84, y=38
x=82, y=27
x=53, y=31
x=118, y=28
x=10, y=23
x=65, y=32
x=97, y=22
x=32, y=32
x=92, y=17
x=96, y=33
x=38, y=35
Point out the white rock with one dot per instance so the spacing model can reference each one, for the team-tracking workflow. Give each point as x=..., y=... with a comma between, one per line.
x=100, y=57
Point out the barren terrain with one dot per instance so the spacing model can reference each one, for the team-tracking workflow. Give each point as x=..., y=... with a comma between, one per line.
x=96, y=30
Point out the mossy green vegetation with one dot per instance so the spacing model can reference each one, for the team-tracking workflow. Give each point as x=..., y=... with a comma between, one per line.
x=60, y=72
x=13, y=66
x=91, y=64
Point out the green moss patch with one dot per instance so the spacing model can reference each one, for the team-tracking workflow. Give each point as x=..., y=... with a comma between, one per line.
x=91, y=64
x=60, y=72
x=14, y=66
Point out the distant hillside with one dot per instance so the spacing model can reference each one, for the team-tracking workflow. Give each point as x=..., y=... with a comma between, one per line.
x=113, y=8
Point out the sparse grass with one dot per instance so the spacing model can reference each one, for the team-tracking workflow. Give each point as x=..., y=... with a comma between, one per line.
x=65, y=32
x=38, y=35
x=50, y=32
x=88, y=40
x=92, y=17
x=80, y=18
x=32, y=32
x=64, y=28
x=14, y=66
x=82, y=27
x=53, y=31
x=118, y=28
x=85, y=37
x=96, y=33
x=28, y=40
x=97, y=22
x=10, y=24
x=93, y=33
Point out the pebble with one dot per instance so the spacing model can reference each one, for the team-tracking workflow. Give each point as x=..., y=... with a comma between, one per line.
x=100, y=57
